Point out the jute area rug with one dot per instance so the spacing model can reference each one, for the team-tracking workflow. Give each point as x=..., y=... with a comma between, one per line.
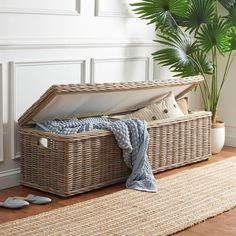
x=183, y=200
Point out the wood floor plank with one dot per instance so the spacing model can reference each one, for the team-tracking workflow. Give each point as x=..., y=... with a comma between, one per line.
x=188, y=233
x=222, y=225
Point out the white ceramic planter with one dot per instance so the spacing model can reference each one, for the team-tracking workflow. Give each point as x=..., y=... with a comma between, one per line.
x=217, y=137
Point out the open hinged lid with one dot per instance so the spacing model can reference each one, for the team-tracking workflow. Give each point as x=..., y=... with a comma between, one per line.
x=81, y=100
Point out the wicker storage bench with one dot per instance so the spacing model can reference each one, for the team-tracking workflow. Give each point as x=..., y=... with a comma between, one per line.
x=72, y=164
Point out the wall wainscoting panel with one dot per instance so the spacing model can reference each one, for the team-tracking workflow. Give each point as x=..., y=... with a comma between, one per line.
x=119, y=69
x=161, y=72
x=1, y=117
x=42, y=7
x=29, y=80
x=9, y=178
x=113, y=8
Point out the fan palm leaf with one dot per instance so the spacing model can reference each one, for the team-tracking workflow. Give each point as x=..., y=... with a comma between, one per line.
x=161, y=12
x=228, y=4
x=199, y=12
x=177, y=61
x=233, y=39
x=216, y=34
x=232, y=17
x=181, y=55
x=201, y=59
x=231, y=20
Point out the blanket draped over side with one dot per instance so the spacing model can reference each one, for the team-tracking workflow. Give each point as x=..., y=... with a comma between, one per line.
x=132, y=137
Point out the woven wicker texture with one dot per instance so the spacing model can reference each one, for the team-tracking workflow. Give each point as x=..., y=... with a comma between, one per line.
x=74, y=164
x=183, y=200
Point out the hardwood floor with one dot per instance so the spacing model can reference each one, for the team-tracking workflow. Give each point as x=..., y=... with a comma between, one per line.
x=222, y=225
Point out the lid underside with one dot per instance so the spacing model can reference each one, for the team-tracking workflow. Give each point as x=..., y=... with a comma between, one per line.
x=81, y=100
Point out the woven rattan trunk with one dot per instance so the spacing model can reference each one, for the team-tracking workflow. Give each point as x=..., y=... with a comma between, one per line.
x=72, y=164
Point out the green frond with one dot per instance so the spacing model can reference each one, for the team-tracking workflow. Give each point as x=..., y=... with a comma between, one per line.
x=233, y=39
x=182, y=56
x=175, y=39
x=160, y=12
x=177, y=61
x=202, y=61
x=199, y=12
x=232, y=17
x=216, y=35
x=228, y=4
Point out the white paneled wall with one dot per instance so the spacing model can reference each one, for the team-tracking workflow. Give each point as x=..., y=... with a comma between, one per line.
x=37, y=77
x=227, y=108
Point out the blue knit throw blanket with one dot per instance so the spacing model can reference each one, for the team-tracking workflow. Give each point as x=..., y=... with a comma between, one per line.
x=132, y=137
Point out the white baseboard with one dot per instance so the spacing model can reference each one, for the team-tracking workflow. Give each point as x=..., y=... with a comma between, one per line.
x=9, y=178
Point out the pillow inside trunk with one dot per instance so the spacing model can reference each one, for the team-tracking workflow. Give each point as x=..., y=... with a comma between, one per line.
x=183, y=104
x=165, y=107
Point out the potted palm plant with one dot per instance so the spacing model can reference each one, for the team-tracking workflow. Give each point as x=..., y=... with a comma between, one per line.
x=193, y=35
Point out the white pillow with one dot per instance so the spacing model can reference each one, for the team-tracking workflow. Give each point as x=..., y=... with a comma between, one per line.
x=167, y=107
